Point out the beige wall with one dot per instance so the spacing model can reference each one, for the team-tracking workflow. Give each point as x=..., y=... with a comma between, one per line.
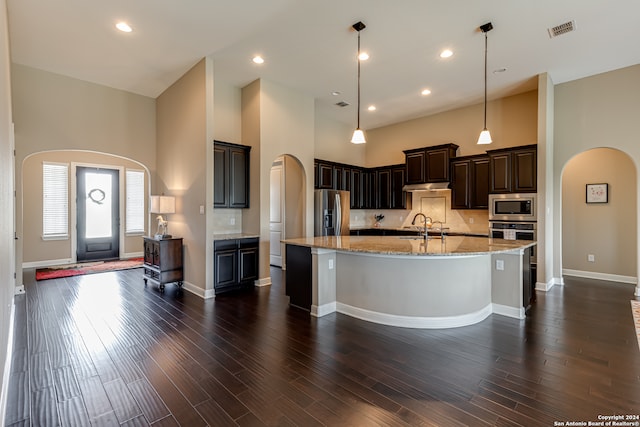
x=597, y=111
x=333, y=142
x=7, y=250
x=182, y=150
x=603, y=230
x=511, y=120
x=49, y=252
x=54, y=112
x=275, y=121
x=227, y=115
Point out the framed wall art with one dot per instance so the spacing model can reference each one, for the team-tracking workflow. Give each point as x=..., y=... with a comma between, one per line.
x=597, y=193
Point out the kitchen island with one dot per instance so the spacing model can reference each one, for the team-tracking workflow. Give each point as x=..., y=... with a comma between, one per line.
x=408, y=281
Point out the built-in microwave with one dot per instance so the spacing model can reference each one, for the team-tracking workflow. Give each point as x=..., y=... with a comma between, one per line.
x=512, y=207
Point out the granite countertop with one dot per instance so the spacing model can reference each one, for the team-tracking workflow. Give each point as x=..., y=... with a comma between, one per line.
x=402, y=245
x=417, y=229
x=234, y=236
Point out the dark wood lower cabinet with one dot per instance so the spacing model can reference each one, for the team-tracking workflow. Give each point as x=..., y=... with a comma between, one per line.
x=298, y=276
x=235, y=264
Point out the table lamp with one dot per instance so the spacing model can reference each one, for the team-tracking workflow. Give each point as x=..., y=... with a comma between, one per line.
x=162, y=205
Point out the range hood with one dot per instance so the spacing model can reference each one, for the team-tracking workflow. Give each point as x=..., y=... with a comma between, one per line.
x=427, y=186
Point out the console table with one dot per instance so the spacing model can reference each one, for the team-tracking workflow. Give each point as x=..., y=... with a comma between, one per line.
x=163, y=261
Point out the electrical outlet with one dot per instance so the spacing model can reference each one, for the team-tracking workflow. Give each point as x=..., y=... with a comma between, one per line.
x=499, y=264
x=591, y=258
x=471, y=220
x=232, y=221
x=330, y=264
x=201, y=210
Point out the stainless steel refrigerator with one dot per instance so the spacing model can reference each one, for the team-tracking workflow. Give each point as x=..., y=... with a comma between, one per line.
x=332, y=210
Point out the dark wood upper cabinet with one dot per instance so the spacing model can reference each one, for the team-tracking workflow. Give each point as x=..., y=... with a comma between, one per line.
x=513, y=170
x=230, y=175
x=500, y=172
x=415, y=165
x=383, y=188
x=429, y=164
x=460, y=183
x=480, y=182
x=325, y=176
x=399, y=199
x=525, y=166
x=470, y=182
x=438, y=162
x=220, y=176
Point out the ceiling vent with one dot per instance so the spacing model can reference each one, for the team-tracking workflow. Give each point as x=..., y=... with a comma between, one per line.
x=558, y=30
x=342, y=103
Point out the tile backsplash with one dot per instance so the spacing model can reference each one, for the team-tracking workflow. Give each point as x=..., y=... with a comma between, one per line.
x=435, y=204
x=227, y=221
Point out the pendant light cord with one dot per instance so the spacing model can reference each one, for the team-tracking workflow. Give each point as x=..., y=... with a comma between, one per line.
x=485, y=80
x=359, y=80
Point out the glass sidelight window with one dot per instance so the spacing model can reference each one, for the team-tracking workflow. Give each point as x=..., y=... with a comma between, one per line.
x=134, y=222
x=55, y=200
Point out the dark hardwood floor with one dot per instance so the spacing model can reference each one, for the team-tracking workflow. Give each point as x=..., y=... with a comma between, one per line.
x=105, y=350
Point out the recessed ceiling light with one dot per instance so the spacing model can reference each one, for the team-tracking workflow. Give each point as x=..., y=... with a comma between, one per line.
x=335, y=93
x=446, y=53
x=426, y=92
x=499, y=70
x=371, y=108
x=124, y=27
x=258, y=59
x=363, y=56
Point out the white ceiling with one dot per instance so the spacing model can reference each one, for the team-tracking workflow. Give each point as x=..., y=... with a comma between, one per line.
x=309, y=46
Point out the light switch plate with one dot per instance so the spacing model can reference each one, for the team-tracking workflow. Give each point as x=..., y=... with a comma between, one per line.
x=499, y=264
x=201, y=210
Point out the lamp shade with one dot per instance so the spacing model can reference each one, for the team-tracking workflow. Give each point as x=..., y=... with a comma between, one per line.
x=163, y=204
x=485, y=137
x=358, y=137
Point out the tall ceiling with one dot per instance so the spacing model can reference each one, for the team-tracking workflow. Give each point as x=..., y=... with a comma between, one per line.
x=309, y=46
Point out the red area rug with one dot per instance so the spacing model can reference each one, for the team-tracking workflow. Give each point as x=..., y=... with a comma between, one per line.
x=86, y=268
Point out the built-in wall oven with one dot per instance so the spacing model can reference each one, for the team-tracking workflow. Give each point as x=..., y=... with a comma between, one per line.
x=513, y=217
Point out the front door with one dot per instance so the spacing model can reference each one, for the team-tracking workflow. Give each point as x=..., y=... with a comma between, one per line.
x=98, y=214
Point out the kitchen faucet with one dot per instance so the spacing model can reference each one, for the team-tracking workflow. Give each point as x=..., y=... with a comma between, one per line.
x=426, y=234
x=441, y=228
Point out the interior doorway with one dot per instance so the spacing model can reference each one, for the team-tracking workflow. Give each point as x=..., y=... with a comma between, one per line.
x=599, y=235
x=98, y=214
x=286, y=206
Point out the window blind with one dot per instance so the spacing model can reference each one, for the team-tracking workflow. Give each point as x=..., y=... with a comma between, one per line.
x=134, y=222
x=55, y=200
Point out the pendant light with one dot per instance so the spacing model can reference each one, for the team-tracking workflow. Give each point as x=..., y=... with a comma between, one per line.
x=358, y=134
x=485, y=136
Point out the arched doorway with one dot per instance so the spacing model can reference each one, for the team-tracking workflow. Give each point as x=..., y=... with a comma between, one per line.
x=599, y=236
x=286, y=205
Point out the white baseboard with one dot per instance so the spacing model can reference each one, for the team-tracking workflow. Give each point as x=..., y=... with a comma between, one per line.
x=415, y=321
x=131, y=255
x=546, y=286
x=48, y=263
x=323, y=310
x=265, y=281
x=198, y=291
x=505, y=310
x=7, y=367
x=600, y=276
